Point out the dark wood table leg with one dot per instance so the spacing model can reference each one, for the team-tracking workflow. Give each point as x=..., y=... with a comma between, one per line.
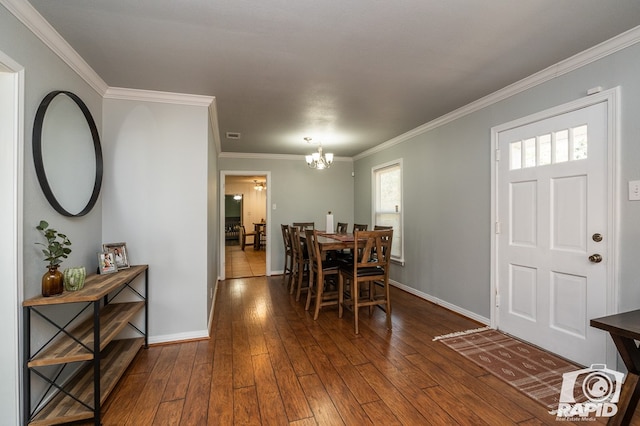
x=630, y=393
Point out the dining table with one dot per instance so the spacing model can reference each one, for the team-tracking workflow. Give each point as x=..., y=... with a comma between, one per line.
x=334, y=241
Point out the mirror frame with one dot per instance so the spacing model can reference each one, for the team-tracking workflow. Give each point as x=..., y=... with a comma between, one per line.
x=39, y=163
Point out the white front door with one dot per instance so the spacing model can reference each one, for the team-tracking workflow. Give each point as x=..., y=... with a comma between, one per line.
x=552, y=206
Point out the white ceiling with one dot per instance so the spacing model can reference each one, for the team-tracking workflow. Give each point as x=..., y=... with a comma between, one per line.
x=349, y=73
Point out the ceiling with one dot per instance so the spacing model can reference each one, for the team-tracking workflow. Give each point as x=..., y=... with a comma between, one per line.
x=351, y=74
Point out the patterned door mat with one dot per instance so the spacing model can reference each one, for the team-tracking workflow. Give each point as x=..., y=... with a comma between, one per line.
x=527, y=368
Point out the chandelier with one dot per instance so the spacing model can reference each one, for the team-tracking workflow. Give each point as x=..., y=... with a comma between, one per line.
x=259, y=186
x=318, y=160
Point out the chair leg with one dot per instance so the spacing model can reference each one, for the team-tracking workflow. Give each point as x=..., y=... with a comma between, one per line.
x=319, y=293
x=308, y=304
x=291, y=268
x=354, y=297
x=340, y=295
x=294, y=277
x=284, y=271
x=387, y=295
x=300, y=279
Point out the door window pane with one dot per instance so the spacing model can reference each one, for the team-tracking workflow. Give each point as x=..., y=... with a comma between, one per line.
x=530, y=152
x=579, y=150
x=544, y=150
x=562, y=146
x=515, y=155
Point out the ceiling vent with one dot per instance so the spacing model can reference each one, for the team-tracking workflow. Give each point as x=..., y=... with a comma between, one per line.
x=233, y=135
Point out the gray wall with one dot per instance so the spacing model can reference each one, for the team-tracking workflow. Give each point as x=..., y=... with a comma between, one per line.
x=45, y=72
x=157, y=200
x=447, y=187
x=300, y=194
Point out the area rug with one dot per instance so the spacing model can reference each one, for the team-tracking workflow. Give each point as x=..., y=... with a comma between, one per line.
x=527, y=368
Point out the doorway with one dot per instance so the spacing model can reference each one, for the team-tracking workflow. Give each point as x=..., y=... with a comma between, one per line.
x=554, y=232
x=245, y=246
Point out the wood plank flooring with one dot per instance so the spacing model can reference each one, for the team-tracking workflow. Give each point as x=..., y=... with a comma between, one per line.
x=244, y=263
x=269, y=363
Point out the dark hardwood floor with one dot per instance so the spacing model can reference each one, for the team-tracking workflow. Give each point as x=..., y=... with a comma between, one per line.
x=269, y=363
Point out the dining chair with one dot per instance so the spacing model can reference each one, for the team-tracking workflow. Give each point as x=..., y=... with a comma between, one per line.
x=300, y=263
x=262, y=238
x=341, y=228
x=288, y=255
x=243, y=237
x=321, y=274
x=381, y=228
x=303, y=226
x=346, y=255
x=370, y=267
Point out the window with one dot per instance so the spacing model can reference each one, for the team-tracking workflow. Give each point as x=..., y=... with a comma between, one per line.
x=387, y=203
x=553, y=148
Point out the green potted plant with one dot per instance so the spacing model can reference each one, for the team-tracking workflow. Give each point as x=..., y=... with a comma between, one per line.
x=56, y=249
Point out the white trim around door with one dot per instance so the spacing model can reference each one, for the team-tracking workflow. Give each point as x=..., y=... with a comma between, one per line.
x=610, y=99
x=11, y=230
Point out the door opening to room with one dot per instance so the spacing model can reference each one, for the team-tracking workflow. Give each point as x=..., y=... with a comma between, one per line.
x=245, y=227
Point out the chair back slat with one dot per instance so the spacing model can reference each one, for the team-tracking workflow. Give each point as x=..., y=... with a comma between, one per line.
x=360, y=227
x=303, y=226
x=373, y=248
x=286, y=237
x=342, y=227
x=312, y=247
x=294, y=234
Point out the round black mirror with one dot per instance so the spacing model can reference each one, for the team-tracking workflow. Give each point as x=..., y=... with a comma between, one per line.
x=67, y=153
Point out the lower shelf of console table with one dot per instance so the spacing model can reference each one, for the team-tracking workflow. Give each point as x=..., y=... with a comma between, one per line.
x=116, y=357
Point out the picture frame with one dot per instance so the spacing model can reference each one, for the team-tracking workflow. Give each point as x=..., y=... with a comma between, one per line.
x=106, y=262
x=119, y=251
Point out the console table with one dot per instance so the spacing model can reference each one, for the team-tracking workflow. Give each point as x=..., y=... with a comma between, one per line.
x=624, y=329
x=86, y=343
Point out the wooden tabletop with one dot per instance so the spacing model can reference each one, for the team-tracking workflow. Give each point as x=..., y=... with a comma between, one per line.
x=95, y=287
x=626, y=324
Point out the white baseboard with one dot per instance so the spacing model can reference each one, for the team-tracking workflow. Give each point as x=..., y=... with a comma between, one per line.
x=440, y=302
x=171, y=338
x=192, y=335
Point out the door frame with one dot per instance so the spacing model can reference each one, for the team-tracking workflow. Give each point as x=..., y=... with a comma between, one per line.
x=611, y=98
x=11, y=220
x=221, y=250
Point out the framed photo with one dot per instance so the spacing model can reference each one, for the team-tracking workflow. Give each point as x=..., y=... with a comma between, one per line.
x=106, y=262
x=119, y=251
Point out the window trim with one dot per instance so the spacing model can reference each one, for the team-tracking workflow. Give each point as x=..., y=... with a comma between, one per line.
x=375, y=169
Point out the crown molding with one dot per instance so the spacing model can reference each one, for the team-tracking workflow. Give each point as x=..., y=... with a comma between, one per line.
x=159, y=97
x=259, y=156
x=39, y=26
x=579, y=60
